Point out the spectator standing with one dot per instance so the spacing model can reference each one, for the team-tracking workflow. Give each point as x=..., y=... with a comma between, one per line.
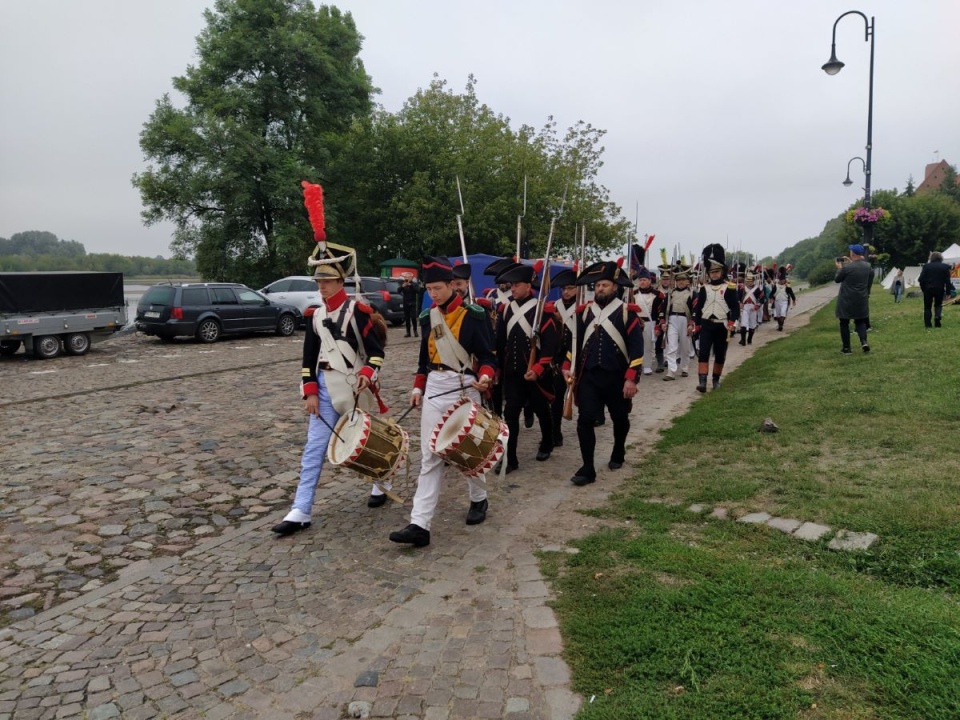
x=410, y=294
x=853, y=300
x=935, y=282
x=898, y=287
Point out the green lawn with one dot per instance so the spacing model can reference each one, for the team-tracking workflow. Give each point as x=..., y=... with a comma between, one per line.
x=673, y=614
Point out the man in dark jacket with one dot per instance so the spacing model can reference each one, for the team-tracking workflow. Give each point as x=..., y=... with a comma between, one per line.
x=853, y=301
x=935, y=282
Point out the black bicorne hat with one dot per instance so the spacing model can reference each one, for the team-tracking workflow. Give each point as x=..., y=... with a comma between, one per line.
x=461, y=271
x=517, y=272
x=605, y=270
x=563, y=278
x=498, y=266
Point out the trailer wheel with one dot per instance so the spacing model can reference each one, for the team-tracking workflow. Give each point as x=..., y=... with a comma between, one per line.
x=77, y=343
x=9, y=347
x=208, y=331
x=46, y=346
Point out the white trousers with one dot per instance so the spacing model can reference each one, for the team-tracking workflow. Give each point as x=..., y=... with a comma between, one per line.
x=431, y=466
x=678, y=343
x=780, y=305
x=749, y=316
x=649, y=346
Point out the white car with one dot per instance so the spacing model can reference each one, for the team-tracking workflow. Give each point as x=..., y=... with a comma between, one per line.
x=297, y=290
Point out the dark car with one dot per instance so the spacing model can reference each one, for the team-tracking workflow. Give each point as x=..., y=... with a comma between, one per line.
x=208, y=310
x=382, y=294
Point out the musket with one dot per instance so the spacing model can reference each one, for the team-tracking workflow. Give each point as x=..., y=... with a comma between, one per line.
x=521, y=216
x=544, y=286
x=581, y=289
x=463, y=242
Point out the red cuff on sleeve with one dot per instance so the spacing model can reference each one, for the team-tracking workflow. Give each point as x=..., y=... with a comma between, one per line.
x=420, y=382
x=566, y=365
x=630, y=374
x=488, y=371
x=310, y=388
x=367, y=372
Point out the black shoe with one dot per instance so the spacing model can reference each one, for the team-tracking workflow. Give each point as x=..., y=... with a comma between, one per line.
x=600, y=421
x=846, y=351
x=866, y=348
x=543, y=455
x=716, y=383
x=936, y=323
x=288, y=527
x=375, y=501
x=583, y=477
x=411, y=535
x=702, y=383
x=558, y=441
x=510, y=467
x=528, y=418
x=615, y=465
x=407, y=335
x=477, y=512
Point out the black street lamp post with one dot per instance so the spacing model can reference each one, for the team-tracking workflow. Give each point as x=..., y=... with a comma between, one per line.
x=848, y=182
x=832, y=67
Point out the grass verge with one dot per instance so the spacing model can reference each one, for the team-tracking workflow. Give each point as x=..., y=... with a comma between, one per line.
x=671, y=613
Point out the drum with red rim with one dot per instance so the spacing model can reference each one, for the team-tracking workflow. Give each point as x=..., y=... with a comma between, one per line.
x=370, y=445
x=469, y=437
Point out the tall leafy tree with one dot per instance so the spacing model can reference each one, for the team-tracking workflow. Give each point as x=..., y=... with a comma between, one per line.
x=399, y=176
x=276, y=86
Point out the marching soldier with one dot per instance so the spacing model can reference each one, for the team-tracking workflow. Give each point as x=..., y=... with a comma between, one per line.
x=782, y=296
x=678, y=326
x=751, y=305
x=522, y=381
x=609, y=355
x=717, y=309
x=342, y=353
x=493, y=300
x=461, y=280
x=651, y=303
x=566, y=314
x=455, y=354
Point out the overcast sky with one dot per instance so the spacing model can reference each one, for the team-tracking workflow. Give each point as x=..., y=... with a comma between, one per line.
x=721, y=124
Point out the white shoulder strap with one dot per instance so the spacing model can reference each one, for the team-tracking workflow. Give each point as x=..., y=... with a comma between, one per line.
x=452, y=353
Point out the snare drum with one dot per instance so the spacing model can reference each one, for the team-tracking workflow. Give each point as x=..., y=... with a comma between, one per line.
x=470, y=437
x=370, y=445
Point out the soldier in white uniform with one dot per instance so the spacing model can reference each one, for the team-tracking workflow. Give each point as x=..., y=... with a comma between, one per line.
x=651, y=304
x=678, y=325
x=751, y=305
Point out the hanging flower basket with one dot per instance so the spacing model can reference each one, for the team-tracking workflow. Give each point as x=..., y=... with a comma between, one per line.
x=867, y=216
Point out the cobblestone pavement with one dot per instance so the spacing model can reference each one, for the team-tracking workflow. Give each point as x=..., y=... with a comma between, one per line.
x=139, y=579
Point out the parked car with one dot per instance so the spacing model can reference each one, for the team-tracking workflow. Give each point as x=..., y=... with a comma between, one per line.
x=297, y=290
x=382, y=294
x=208, y=310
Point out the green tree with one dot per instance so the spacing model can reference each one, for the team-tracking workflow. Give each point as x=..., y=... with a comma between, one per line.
x=949, y=186
x=276, y=85
x=398, y=178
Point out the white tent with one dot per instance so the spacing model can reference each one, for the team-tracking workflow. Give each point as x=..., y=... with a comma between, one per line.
x=910, y=275
x=951, y=255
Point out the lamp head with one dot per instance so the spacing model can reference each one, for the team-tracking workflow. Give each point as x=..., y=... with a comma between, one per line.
x=832, y=66
x=848, y=182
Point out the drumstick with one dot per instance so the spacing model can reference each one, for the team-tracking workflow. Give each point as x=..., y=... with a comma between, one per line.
x=324, y=421
x=448, y=392
x=405, y=413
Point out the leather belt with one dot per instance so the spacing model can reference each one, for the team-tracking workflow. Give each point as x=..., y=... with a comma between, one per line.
x=678, y=314
x=441, y=366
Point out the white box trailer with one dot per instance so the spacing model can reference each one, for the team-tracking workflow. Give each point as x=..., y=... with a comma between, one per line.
x=53, y=312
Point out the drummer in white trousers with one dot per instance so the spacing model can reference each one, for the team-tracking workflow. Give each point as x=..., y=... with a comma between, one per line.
x=456, y=360
x=342, y=356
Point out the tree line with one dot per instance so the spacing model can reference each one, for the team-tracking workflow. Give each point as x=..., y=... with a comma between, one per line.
x=42, y=251
x=918, y=224
x=225, y=162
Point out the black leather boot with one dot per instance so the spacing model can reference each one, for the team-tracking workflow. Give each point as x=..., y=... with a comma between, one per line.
x=477, y=512
x=743, y=336
x=702, y=384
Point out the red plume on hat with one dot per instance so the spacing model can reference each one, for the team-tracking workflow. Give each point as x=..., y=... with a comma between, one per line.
x=313, y=201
